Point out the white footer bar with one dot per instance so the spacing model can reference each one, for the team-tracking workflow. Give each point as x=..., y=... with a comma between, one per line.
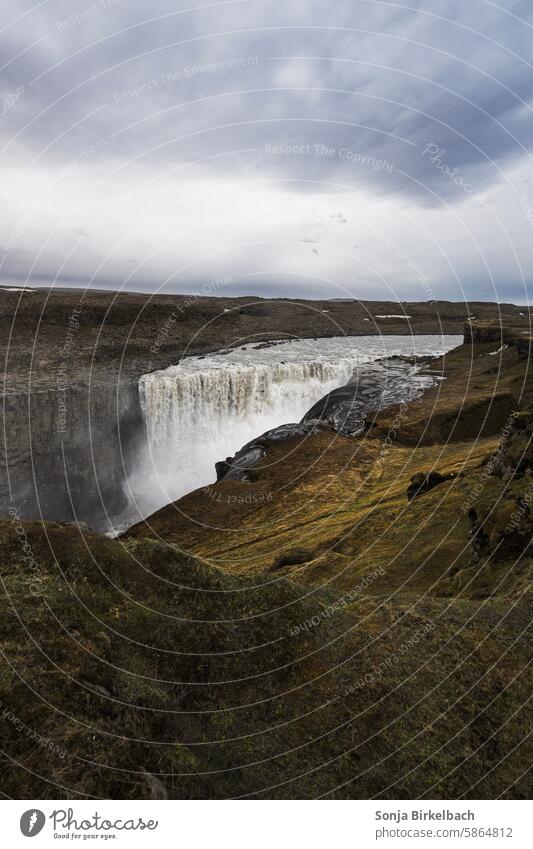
x=267, y=824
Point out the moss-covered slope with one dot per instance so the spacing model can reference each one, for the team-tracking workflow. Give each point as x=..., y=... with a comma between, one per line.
x=153, y=674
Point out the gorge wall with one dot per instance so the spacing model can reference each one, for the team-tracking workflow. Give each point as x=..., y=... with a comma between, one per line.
x=66, y=457
x=93, y=468
x=111, y=453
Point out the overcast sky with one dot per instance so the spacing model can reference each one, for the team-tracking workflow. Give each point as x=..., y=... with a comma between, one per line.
x=358, y=148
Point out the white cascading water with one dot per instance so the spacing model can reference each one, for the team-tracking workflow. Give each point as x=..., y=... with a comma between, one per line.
x=207, y=408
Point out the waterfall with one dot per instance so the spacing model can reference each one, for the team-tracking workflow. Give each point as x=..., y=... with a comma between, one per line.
x=206, y=408
x=195, y=419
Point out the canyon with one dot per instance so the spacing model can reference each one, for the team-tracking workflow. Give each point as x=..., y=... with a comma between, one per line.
x=74, y=431
x=343, y=612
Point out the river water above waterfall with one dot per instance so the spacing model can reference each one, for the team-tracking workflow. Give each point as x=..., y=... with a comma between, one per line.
x=206, y=408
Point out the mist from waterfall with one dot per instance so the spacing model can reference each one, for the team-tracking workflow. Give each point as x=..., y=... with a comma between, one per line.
x=207, y=408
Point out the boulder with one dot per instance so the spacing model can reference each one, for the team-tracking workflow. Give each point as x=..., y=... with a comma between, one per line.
x=293, y=557
x=421, y=483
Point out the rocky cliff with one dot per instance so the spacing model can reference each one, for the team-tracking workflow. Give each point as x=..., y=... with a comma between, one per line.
x=66, y=454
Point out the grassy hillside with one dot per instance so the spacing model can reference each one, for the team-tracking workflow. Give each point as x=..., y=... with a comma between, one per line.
x=318, y=632
x=156, y=675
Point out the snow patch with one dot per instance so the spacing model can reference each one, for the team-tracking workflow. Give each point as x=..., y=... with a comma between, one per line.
x=493, y=353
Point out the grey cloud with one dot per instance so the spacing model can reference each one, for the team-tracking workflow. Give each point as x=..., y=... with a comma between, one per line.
x=421, y=94
x=411, y=103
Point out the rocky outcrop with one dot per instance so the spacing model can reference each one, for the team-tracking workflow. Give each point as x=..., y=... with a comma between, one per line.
x=480, y=387
x=374, y=387
x=294, y=557
x=508, y=333
x=343, y=411
x=513, y=457
x=504, y=530
x=424, y=482
x=239, y=467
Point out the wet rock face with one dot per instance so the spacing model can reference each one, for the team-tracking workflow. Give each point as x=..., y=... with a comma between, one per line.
x=344, y=410
x=239, y=467
x=373, y=387
x=66, y=458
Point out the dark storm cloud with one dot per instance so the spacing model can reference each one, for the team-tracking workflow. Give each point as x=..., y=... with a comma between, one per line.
x=369, y=77
x=408, y=100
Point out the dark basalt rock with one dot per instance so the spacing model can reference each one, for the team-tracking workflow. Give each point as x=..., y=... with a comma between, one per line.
x=344, y=411
x=514, y=456
x=240, y=465
x=238, y=468
x=421, y=483
x=373, y=387
x=70, y=466
x=261, y=309
x=503, y=532
x=294, y=557
x=222, y=468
